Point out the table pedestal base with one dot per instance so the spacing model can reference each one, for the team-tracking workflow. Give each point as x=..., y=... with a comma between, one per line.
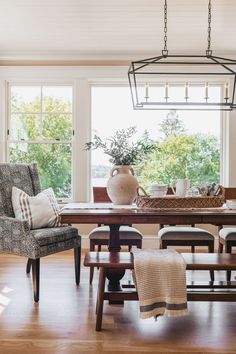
x=114, y=276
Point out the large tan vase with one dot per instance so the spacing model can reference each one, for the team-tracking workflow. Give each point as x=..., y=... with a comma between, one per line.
x=122, y=185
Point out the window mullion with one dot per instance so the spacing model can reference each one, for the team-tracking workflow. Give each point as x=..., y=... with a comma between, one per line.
x=41, y=112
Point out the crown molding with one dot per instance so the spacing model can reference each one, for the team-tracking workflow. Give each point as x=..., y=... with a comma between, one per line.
x=62, y=58
x=73, y=55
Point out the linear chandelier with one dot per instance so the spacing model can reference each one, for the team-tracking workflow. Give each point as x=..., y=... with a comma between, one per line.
x=153, y=81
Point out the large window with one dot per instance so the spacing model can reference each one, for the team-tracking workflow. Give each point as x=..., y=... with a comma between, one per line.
x=40, y=130
x=188, y=142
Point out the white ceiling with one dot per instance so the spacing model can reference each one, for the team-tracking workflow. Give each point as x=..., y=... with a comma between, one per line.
x=88, y=29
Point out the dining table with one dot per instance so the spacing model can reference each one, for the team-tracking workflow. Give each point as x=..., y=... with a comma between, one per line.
x=116, y=215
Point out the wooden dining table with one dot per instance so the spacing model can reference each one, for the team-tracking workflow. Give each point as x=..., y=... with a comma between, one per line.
x=115, y=216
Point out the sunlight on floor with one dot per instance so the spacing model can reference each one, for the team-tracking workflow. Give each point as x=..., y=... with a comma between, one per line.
x=4, y=300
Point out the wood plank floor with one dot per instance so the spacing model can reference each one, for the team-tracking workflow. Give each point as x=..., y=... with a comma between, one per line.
x=64, y=319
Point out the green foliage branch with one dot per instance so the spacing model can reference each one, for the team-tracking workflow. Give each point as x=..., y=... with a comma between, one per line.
x=120, y=147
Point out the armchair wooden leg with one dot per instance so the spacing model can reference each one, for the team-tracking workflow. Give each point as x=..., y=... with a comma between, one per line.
x=28, y=266
x=36, y=275
x=77, y=256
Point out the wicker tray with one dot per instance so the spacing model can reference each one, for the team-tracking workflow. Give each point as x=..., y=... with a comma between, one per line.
x=171, y=201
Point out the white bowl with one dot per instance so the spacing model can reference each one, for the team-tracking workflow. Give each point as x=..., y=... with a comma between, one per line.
x=231, y=203
x=159, y=193
x=158, y=187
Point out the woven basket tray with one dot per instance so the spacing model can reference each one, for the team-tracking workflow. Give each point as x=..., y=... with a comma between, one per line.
x=171, y=201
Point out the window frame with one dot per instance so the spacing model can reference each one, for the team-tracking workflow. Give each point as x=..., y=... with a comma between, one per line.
x=9, y=141
x=224, y=116
x=82, y=81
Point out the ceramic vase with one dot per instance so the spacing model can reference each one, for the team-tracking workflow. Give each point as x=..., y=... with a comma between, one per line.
x=122, y=185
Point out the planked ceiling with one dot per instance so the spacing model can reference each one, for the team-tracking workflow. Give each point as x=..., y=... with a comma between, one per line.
x=112, y=28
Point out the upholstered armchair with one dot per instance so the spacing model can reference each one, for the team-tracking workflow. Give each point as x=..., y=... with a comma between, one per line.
x=16, y=237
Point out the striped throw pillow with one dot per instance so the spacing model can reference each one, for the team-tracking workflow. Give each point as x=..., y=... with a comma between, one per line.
x=40, y=211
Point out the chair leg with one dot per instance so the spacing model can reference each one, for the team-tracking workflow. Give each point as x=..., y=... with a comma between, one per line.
x=99, y=250
x=139, y=244
x=36, y=277
x=211, y=250
x=193, y=249
x=164, y=244
x=28, y=266
x=220, y=247
x=136, y=243
x=77, y=257
x=91, y=271
x=228, y=249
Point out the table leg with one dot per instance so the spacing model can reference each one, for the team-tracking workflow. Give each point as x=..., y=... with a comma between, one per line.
x=114, y=276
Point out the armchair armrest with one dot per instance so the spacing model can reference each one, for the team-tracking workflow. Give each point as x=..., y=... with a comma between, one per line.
x=16, y=238
x=8, y=223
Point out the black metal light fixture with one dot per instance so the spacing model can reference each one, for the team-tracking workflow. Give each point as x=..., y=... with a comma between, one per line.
x=152, y=80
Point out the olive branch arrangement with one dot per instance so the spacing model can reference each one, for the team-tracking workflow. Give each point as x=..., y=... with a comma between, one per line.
x=120, y=147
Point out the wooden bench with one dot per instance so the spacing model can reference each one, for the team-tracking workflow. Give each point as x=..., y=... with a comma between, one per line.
x=212, y=291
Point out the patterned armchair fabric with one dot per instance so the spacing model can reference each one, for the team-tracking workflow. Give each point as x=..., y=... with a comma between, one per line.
x=15, y=236
x=22, y=176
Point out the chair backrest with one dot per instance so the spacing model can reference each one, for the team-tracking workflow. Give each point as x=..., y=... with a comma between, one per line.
x=230, y=193
x=22, y=176
x=100, y=195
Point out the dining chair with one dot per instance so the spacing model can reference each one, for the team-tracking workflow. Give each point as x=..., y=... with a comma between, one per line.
x=186, y=236
x=15, y=235
x=172, y=235
x=99, y=236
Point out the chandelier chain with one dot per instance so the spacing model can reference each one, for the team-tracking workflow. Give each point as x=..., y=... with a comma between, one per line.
x=209, y=51
x=165, y=50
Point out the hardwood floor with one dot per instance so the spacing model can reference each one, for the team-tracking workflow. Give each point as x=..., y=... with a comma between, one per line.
x=64, y=320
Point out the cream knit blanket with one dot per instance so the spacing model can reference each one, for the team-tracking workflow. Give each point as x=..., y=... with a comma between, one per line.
x=160, y=277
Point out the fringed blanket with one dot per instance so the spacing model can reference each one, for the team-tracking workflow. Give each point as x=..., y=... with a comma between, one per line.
x=160, y=277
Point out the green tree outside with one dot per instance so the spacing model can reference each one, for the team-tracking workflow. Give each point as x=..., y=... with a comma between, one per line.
x=181, y=155
x=54, y=160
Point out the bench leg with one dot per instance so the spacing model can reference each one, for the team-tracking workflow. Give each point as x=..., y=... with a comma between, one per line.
x=211, y=250
x=100, y=298
x=228, y=249
x=91, y=271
